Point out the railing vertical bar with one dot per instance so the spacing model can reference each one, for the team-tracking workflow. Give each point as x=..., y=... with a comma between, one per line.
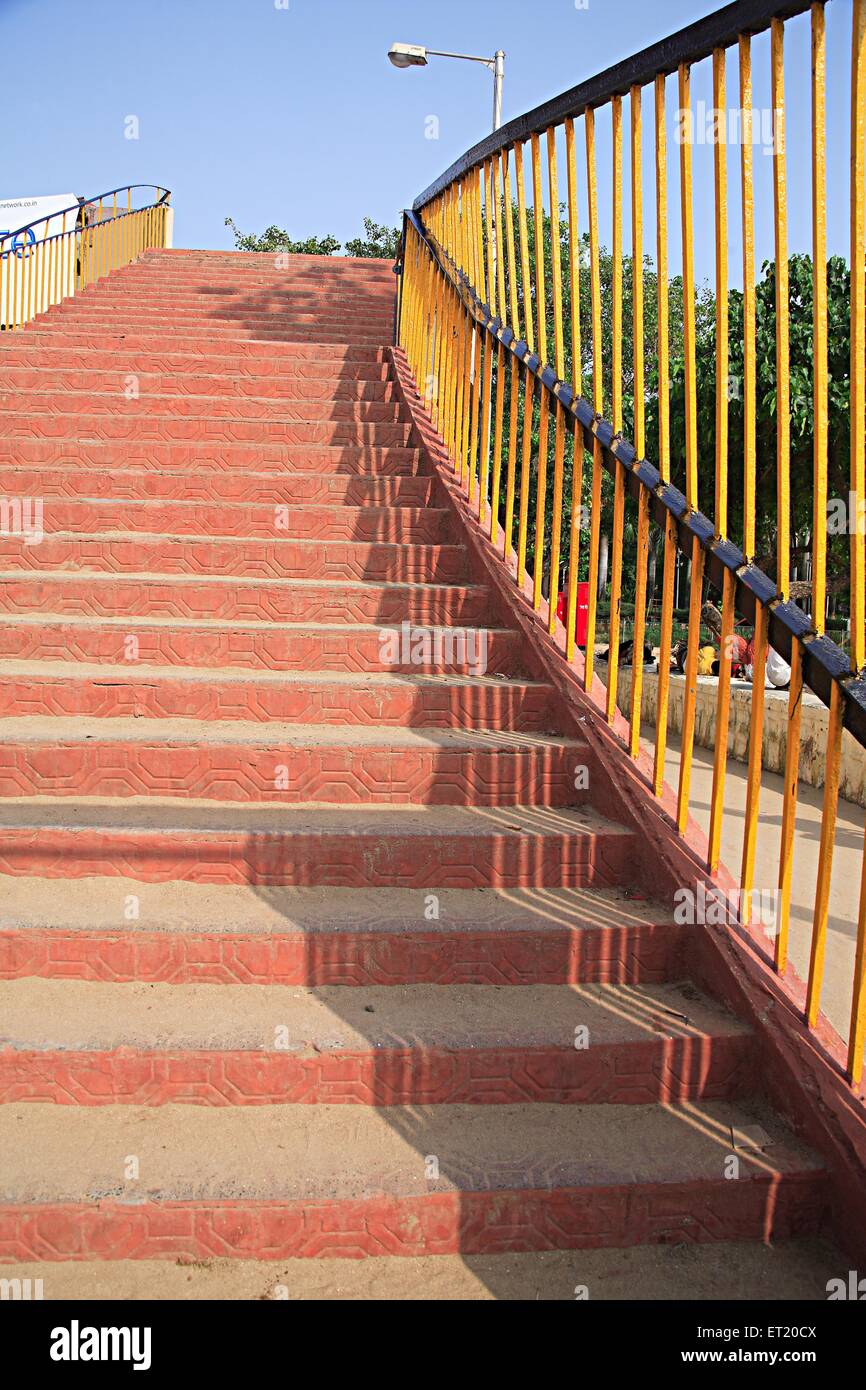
x=499, y=410
x=723, y=695
x=616, y=415
x=783, y=379
x=577, y=383
x=825, y=857
x=489, y=237
x=523, y=236
x=723, y=714
x=637, y=327
x=508, y=538
x=478, y=348
x=559, y=367
x=670, y=538
x=484, y=465
x=597, y=394
x=789, y=805
x=819, y=319
x=543, y=403
x=857, y=1030
x=690, y=686
x=783, y=485
x=749, y=350
x=858, y=336
x=755, y=760
x=500, y=352
x=540, y=497
x=538, y=221
x=529, y=387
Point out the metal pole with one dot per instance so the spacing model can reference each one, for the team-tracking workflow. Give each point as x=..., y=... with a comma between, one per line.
x=498, y=79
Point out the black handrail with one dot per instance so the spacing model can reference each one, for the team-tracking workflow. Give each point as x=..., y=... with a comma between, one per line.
x=689, y=45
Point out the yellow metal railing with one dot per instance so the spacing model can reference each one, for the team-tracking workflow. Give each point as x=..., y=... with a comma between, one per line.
x=496, y=326
x=58, y=255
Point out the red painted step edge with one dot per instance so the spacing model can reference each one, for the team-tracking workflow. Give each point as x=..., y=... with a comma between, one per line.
x=650, y=953
x=763, y=1207
x=663, y=1070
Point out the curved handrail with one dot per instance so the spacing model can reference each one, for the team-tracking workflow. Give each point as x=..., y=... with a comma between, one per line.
x=452, y=336
x=44, y=261
x=97, y=198
x=688, y=45
x=825, y=664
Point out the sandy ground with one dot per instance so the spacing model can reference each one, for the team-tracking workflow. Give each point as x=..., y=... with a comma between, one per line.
x=792, y=1270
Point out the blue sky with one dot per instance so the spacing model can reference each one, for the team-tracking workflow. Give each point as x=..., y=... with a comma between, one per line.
x=288, y=111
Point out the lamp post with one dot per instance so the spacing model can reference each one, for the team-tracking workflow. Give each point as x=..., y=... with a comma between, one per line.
x=413, y=55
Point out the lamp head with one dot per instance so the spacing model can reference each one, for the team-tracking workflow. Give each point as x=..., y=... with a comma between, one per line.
x=407, y=55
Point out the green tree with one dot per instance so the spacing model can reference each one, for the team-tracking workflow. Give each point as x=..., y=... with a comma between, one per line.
x=800, y=315
x=381, y=242
x=378, y=241
x=276, y=240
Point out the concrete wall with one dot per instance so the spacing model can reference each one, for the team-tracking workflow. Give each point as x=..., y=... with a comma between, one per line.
x=813, y=729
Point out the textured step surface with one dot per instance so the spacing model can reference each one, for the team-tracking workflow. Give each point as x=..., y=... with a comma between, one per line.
x=157, y=838
x=90, y=593
x=284, y=763
x=387, y=698
x=123, y=929
x=95, y=1044
x=307, y=1180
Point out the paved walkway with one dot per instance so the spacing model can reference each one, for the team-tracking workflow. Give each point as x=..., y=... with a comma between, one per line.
x=847, y=862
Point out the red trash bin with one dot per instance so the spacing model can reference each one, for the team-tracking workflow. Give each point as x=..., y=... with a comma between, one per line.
x=582, y=614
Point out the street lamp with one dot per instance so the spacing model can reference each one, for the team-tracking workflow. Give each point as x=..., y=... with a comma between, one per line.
x=413, y=55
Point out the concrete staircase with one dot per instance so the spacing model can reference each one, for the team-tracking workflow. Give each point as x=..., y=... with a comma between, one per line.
x=313, y=941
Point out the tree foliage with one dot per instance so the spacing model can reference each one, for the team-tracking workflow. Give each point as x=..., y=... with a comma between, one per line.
x=378, y=241
x=801, y=463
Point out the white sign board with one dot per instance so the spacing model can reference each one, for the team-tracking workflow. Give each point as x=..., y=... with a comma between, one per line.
x=18, y=259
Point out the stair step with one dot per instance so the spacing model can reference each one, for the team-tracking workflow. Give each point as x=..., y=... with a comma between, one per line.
x=104, y=329
x=354, y=460
x=338, y=325
x=248, y=520
x=194, y=384
x=215, y=298
x=138, y=485
x=260, y=304
x=204, y=346
x=91, y=593
x=796, y=1270
x=185, y=933
x=235, y=265
x=257, y=375
x=201, y=429
x=323, y=697
x=123, y=552
x=147, y=407
x=79, y=1043
x=312, y=1180
x=159, y=838
x=284, y=646
x=237, y=761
